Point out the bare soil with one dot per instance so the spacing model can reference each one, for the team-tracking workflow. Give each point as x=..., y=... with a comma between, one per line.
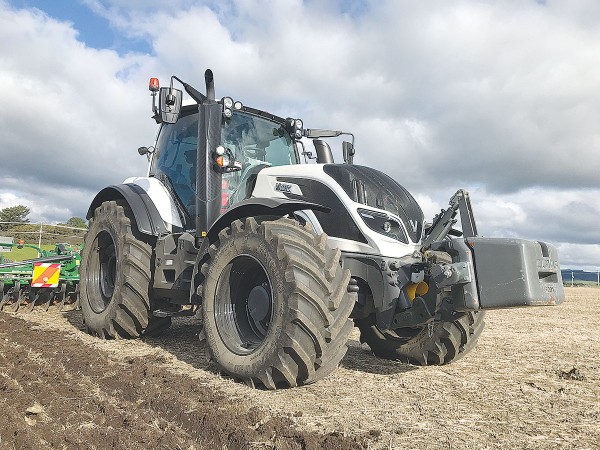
x=532, y=382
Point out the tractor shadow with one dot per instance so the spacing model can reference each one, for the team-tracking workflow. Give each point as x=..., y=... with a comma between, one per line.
x=182, y=341
x=74, y=318
x=359, y=358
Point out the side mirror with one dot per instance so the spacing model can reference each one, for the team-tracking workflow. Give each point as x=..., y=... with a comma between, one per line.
x=169, y=104
x=348, y=152
x=146, y=151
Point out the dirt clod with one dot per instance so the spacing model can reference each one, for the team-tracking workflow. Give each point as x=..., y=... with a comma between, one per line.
x=573, y=374
x=375, y=433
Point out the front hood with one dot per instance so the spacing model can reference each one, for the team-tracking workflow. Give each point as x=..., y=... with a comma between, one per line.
x=381, y=191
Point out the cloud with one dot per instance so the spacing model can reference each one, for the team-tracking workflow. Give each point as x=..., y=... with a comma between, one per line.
x=577, y=256
x=566, y=218
x=501, y=98
x=39, y=209
x=546, y=214
x=70, y=121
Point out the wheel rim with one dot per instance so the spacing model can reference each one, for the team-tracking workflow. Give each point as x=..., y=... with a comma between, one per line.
x=243, y=304
x=403, y=335
x=102, y=271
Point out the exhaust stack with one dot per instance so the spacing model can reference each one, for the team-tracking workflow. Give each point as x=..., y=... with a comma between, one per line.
x=210, y=84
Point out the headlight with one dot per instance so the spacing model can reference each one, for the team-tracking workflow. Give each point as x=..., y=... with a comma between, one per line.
x=381, y=223
x=294, y=127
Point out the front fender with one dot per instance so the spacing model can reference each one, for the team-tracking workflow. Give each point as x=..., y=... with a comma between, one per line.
x=260, y=207
x=246, y=208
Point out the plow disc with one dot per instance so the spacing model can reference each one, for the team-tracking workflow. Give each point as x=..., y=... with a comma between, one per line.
x=27, y=300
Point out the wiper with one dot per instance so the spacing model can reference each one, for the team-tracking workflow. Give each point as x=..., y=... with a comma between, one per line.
x=166, y=179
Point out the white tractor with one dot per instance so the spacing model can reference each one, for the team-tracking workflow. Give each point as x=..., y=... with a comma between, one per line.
x=282, y=258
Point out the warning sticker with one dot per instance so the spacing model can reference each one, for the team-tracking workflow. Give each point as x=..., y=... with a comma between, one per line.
x=45, y=275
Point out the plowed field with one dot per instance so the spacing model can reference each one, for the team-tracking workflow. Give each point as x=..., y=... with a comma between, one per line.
x=532, y=382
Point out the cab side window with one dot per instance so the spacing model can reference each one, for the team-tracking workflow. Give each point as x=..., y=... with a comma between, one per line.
x=175, y=159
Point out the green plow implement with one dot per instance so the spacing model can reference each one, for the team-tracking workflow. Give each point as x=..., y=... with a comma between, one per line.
x=50, y=279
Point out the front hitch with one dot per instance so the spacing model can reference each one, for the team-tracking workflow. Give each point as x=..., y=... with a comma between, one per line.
x=493, y=273
x=490, y=273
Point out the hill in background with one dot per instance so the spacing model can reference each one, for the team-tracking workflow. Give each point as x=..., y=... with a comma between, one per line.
x=580, y=277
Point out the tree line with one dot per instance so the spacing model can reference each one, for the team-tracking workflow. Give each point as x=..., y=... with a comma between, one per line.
x=18, y=215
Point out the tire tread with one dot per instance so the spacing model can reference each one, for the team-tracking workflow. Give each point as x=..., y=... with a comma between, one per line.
x=131, y=315
x=318, y=309
x=448, y=342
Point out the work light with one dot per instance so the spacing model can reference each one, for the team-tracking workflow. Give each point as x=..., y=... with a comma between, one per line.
x=227, y=107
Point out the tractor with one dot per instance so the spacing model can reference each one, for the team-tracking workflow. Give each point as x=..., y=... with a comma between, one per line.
x=283, y=256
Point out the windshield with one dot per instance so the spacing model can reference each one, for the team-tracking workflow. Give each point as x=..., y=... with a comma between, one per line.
x=256, y=143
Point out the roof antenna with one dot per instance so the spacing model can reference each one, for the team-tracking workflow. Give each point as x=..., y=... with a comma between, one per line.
x=210, y=85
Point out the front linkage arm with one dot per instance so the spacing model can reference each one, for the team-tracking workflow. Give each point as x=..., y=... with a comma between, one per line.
x=443, y=222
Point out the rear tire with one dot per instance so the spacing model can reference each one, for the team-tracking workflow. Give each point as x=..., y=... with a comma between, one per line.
x=115, y=279
x=275, y=303
x=441, y=343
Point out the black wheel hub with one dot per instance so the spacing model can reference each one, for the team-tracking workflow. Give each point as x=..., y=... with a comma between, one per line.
x=259, y=302
x=243, y=304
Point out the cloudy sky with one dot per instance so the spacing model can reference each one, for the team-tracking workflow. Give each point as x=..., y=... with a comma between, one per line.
x=500, y=98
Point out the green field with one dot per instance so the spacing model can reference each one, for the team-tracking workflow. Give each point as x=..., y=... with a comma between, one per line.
x=19, y=254
x=581, y=283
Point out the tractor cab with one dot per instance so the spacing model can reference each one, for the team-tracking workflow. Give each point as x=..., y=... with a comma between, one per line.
x=256, y=142
x=252, y=139
x=247, y=140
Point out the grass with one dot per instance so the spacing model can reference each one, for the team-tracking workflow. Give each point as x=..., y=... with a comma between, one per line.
x=19, y=254
x=580, y=283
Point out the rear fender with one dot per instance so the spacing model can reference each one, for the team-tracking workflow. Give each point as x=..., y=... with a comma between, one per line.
x=147, y=217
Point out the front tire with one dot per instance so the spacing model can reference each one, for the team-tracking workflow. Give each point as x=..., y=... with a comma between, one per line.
x=115, y=275
x=275, y=303
x=437, y=344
